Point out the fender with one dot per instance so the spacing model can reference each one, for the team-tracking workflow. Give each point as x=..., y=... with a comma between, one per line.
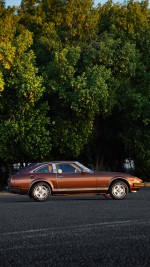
x=40, y=180
x=118, y=178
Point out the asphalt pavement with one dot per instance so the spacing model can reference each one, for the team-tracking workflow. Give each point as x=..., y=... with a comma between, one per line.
x=75, y=231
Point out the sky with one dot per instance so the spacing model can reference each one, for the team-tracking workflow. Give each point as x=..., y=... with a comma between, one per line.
x=17, y=2
x=12, y=2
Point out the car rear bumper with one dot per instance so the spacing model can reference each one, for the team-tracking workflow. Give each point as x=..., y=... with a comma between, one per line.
x=13, y=189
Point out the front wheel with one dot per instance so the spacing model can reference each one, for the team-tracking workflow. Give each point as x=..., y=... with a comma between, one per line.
x=119, y=190
x=40, y=192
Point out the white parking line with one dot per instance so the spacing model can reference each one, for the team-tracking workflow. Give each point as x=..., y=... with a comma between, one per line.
x=77, y=227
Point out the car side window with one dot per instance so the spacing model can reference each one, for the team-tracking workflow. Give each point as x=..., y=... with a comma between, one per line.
x=66, y=168
x=46, y=168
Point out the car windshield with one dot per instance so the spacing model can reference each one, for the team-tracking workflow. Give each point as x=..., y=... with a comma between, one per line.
x=84, y=168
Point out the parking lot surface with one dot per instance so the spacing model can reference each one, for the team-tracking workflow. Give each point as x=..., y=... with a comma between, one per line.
x=75, y=231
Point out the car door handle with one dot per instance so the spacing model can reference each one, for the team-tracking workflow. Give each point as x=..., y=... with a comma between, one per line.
x=31, y=177
x=60, y=176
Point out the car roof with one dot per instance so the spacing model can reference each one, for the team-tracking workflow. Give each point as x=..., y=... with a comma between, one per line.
x=58, y=161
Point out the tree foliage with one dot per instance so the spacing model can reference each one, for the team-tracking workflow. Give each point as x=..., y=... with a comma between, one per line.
x=23, y=129
x=75, y=82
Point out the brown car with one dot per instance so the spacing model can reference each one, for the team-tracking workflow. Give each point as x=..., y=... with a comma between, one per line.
x=42, y=180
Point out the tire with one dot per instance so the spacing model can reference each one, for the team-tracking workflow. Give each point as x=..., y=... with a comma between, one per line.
x=40, y=192
x=108, y=196
x=119, y=190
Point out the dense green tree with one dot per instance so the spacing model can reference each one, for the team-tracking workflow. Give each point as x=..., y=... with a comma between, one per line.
x=75, y=96
x=75, y=81
x=125, y=49
x=23, y=129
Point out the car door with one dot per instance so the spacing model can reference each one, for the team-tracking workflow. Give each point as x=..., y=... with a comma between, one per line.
x=72, y=180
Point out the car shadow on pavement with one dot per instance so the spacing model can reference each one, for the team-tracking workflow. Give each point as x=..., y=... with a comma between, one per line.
x=11, y=198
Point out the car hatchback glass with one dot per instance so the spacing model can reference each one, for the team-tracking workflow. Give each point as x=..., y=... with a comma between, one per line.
x=25, y=168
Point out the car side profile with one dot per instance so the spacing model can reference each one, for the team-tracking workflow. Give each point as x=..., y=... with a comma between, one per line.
x=41, y=180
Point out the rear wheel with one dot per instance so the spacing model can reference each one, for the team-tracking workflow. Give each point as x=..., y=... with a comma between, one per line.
x=119, y=190
x=40, y=191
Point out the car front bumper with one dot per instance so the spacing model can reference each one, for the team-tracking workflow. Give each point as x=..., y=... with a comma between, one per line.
x=144, y=184
x=139, y=184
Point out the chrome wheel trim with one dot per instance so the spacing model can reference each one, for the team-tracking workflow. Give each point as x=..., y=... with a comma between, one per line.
x=41, y=192
x=119, y=190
